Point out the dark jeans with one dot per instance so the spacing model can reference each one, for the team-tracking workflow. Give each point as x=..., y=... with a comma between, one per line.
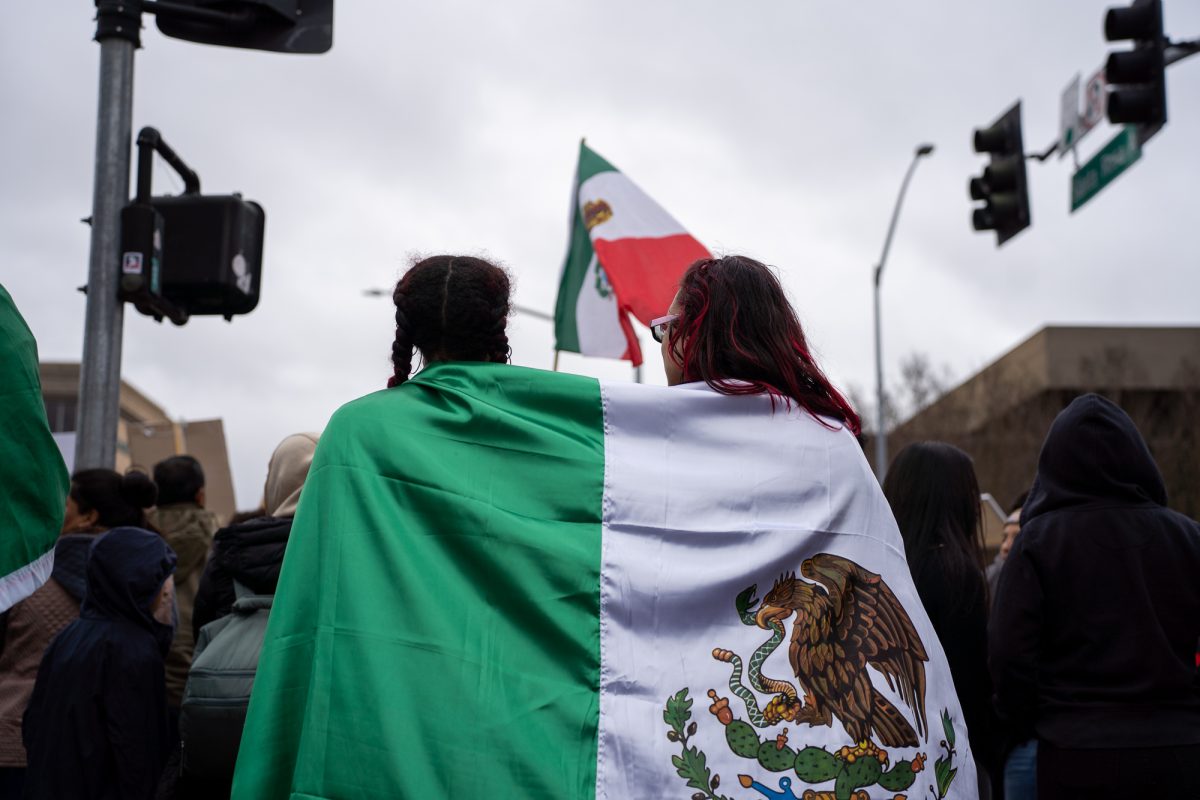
x=1020, y=772
x=1118, y=773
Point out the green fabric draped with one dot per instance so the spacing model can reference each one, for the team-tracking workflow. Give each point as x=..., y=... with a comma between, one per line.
x=33, y=477
x=436, y=629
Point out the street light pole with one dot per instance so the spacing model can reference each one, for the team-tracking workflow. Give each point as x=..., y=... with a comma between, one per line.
x=881, y=449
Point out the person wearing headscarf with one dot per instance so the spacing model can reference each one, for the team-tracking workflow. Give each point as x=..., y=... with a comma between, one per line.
x=96, y=726
x=251, y=552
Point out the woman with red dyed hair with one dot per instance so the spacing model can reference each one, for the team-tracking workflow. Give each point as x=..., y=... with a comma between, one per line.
x=732, y=327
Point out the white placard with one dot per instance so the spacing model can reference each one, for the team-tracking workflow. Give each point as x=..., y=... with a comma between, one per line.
x=1068, y=128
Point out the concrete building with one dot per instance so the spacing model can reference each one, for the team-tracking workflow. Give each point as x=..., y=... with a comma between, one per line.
x=1000, y=415
x=145, y=433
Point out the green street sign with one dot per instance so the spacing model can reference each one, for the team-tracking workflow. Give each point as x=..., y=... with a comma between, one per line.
x=1113, y=159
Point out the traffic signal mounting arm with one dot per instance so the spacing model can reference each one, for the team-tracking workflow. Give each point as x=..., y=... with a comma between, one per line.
x=149, y=142
x=142, y=233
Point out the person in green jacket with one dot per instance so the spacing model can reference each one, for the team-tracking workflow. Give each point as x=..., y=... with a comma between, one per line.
x=188, y=527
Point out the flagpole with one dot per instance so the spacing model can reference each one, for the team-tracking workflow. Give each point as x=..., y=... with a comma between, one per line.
x=637, y=368
x=556, y=352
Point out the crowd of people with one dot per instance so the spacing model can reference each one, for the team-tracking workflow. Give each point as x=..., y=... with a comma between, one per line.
x=1073, y=653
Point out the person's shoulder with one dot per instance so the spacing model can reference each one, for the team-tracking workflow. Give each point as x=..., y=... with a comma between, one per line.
x=52, y=604
x=129, y=648
x=252, y=530
x=1184, y=529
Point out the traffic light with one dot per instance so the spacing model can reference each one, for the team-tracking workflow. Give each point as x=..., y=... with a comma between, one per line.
x=211, y=253
x=1137, y=78
x=285, y=26
x=1002, y=187
x=190, y=254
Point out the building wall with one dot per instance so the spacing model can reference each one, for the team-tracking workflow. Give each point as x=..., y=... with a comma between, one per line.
x=1000, y=416
x=145, y=434
x=204, y=440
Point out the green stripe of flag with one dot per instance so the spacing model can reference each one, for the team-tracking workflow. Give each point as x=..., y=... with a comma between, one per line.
x=32, y=473
x=486, y=682
x=579, y=255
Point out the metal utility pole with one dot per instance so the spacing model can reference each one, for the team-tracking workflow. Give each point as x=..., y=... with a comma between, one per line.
x=254, y=24
x=881, y=448
x=117, y=31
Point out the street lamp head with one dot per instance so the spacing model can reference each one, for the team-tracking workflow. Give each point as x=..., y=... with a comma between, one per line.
x=924, y=150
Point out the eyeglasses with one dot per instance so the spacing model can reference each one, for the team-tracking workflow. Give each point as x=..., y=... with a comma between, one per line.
x=660, y=326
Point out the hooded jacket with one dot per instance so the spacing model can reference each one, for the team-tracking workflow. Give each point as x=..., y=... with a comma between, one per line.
x=96, y=726
x=251, y=552
x=1097, y=614
x=30, y=627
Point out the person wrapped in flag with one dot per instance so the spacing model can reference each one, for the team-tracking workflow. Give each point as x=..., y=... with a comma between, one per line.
x=731, y=328
x=33, y=477
x=506, y=582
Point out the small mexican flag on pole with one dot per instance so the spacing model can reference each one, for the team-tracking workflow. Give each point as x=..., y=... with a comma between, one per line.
x=625, y=257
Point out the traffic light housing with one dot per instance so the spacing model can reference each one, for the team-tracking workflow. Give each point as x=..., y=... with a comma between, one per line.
x=1003, y=186
x=141, y=263
x=212, y=253
x=1137, y=78
x=190, y=254
x=285, y=26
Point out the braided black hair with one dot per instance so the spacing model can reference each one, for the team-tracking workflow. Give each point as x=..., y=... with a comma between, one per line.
x=451, y=308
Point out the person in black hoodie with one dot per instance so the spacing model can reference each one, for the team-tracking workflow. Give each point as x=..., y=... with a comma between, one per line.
x=96, y=725
x=1097, y=615
x=251, y=552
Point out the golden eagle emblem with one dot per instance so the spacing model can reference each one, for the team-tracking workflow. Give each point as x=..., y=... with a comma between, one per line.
x=596, y=212
x=850, y=621
x=847, y=624
x=846, y=620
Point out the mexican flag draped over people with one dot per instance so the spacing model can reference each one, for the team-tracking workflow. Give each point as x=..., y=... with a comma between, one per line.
x=515, y=583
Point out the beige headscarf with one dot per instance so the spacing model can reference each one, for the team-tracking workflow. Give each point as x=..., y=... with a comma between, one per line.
x=286, y=473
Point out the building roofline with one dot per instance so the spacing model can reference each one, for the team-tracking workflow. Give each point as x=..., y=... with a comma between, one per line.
x=1075, y=357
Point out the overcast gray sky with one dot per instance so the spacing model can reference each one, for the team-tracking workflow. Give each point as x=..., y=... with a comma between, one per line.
x=776, y=129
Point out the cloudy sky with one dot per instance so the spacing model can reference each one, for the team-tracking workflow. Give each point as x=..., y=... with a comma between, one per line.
x=776, y=129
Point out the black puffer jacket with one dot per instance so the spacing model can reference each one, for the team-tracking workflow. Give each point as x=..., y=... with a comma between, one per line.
x=249, y=552
x=1094, y=628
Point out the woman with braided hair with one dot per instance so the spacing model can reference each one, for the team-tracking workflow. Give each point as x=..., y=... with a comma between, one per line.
x=450, y=308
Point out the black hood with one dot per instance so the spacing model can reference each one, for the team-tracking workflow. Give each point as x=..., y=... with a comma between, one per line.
x=1092, y=455
x=70, y=562
x=125, y=572
x=252, y=551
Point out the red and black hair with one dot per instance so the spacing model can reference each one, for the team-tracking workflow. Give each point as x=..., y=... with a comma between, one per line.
x=451, y=308
x=737, y=332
